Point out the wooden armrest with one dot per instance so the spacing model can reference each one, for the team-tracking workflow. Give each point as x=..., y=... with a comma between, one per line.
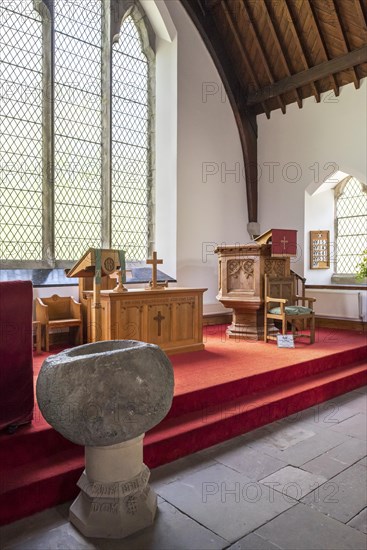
x=75, y=308
x=279, y=300
x=41, y=312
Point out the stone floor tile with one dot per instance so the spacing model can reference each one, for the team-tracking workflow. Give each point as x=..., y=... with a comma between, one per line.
x=225, y=501
x=64, y=537
x=322, y=416
x=303, y=451
x=253, y=542
x=337, y=459
x=342, y=497
x=23, y=528
x=252, y=463
x=359, y=521
x=171, y=530
x=362, y=390
x=293, y=482
x=303, y=528
x=178, y=468
x=356, y=426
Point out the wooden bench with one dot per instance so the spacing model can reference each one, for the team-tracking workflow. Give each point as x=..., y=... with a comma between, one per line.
x=58, y=312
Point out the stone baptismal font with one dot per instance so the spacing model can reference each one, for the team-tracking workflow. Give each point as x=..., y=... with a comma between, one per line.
x=105, y=396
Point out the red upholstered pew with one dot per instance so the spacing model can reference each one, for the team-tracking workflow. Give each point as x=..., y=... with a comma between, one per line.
x=16, y=369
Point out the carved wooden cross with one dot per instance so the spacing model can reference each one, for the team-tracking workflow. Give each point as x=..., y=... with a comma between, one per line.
x=159, y=318
x=154, y=262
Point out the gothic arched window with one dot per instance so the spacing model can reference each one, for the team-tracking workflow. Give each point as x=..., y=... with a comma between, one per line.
x=75, y=131
x=350, y=224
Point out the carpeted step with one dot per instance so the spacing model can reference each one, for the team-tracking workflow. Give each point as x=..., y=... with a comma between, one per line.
x=179, y=436
x=40, y=468
x=30, y=488
x=188, y=401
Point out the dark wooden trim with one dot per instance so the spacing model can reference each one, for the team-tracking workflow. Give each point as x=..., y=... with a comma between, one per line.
x=356, y=57
x=236, y=91
x=338, y=287
x=341, y=324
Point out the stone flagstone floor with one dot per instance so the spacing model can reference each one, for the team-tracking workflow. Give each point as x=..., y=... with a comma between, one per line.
x=299, y=483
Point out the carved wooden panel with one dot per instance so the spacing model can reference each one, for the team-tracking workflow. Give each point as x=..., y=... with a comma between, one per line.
x=240, y=275
x=275, y=267
x=170, y=318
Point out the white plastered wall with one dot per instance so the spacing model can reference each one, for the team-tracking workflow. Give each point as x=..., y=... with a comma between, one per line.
x=305, y=147
x=298, y=151
x=211, y=200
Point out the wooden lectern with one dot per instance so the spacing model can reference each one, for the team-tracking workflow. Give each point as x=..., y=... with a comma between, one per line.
x=241, y=278
x=97, y=263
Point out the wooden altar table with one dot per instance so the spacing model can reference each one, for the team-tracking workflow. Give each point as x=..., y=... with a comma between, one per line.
x=170, y=317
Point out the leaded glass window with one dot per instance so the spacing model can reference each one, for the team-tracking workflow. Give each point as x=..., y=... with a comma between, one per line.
x=20, y=132
x=77, y=127
x=130, y=143
x=70, y=180
x=351, y=224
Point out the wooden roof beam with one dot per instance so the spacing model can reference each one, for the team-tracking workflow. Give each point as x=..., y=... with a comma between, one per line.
x=261, y=50
x=344, y=36
x=295, y=32
x=234, y=29
x=281, y=53
x=352, y=59
x=361, y=10
x=322, y=43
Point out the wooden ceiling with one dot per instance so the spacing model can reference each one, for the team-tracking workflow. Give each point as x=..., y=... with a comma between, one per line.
x=271, y=53
x=283, y=51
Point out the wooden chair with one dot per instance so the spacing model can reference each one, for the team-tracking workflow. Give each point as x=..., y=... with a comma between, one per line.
x=282, y=304
x=58, y=312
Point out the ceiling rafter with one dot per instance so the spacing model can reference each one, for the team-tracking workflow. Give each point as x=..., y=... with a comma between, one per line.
x=334, y=83
x=356, y=57
x=344, y=36
x=280, y=49
x=296, y=36
x=234, y=28
x=261, y=50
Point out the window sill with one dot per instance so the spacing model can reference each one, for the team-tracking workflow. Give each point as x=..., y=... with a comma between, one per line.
x=336, y=286
x=57, y=277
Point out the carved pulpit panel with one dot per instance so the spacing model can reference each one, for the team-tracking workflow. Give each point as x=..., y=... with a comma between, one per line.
x=275, y=268
x=240, y=275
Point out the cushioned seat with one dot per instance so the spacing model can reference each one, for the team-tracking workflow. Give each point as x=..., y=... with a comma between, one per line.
x=291, y=310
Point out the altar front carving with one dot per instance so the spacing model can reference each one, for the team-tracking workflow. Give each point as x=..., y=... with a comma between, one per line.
x=241, y=285
x=168, y=317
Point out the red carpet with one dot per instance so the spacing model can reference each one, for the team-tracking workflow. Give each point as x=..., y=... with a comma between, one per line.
x=227, y=389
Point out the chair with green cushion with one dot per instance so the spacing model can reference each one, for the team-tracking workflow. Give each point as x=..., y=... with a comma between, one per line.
x=282, y=304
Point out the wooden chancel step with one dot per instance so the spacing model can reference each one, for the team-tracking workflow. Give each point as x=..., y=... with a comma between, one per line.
x=40, y=468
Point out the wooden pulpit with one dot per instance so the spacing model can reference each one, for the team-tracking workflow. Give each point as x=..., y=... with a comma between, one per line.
x=97, y=263
x=241, y=278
